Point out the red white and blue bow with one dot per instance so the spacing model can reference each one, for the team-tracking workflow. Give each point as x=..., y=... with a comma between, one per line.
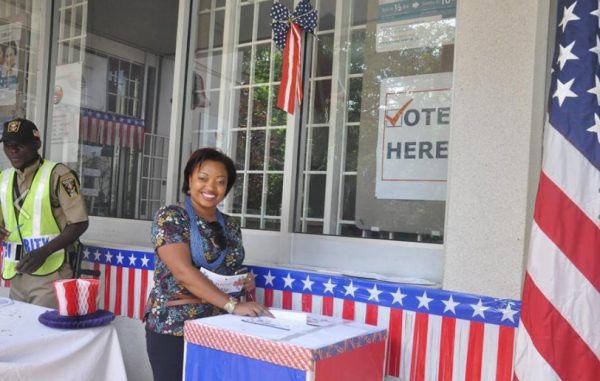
x=287, y=35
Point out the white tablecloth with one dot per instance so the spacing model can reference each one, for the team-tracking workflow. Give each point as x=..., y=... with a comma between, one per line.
x=31, y=351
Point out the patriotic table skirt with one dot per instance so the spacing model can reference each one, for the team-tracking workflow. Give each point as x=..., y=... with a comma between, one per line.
x=227, y=348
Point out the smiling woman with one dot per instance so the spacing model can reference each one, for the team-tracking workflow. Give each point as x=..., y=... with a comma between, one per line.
x=186, y=238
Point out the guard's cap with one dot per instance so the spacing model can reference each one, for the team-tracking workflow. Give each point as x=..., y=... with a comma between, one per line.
x=20, y=131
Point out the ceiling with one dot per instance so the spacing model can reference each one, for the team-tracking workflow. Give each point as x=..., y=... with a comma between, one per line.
x=150, y=25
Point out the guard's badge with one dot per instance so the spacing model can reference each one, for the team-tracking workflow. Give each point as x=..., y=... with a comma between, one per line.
x=13, y=126
x=70, y=186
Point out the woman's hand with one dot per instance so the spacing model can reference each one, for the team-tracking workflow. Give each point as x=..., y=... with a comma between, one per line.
x=251, y=309
x=249, y=282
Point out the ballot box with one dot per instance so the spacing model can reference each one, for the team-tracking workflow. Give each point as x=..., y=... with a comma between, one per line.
x=295, y=346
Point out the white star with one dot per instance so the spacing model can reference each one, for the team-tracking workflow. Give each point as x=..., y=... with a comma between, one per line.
x=97, y=255
x=596, y=127
x=288, y=281
x=132, y=260
x=563, y=90
x=86, y=253
x=120, y=258
x=374, y=293
x=307, y=283
x=145, y=261
x=269, y=279
x=596, y=90
x=108, y=256
x=328, y=286
x=478, y=309
x=398, y=296
x=350, y=289
x=568, y=15
x=424, y=300
x=596, y=49
x=450, y=305
x=597, y=14
x=508, y=313
x=566, y=54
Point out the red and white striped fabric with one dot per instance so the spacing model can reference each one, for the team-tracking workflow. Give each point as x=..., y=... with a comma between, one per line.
x=433, y=334
x=290, y=89
x=421, y=346
x=559, y=335
x=125, y=281
x=426, y=342
x=110, y=129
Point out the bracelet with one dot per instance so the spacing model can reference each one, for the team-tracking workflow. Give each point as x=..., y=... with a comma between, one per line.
x=230, y=305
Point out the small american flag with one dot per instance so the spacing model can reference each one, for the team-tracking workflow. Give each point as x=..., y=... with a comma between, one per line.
x=559, y=335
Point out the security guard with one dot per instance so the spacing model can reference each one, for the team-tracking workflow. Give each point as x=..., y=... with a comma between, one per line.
x=43, y=216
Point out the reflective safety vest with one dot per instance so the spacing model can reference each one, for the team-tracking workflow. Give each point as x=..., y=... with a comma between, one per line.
x=32, y=225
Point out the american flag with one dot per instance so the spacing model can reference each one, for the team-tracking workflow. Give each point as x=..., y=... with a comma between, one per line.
x=433, y=334
x=126, y=277
x=104, y=128
x=559, y=335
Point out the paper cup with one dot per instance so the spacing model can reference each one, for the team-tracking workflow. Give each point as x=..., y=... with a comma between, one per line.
x=87, y=294
x=66, y=296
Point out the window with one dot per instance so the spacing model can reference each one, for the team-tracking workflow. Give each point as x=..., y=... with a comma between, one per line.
x=112, y=102
x=329, y=169
x=21, y=62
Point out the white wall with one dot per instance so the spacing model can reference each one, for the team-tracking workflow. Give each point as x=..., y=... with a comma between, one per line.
x=495, y=143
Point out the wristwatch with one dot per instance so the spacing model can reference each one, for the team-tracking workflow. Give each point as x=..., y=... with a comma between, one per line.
x=230, y=305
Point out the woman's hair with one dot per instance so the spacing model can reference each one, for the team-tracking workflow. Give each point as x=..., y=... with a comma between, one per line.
x=202, y=155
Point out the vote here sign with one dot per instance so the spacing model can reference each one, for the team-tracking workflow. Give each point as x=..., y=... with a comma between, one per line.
x=412, y=143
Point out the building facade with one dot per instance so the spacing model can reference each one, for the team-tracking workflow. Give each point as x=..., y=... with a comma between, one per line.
x=412, y=157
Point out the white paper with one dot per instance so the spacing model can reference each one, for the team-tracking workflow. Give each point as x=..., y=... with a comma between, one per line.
x=268, y=322
x=227, y=283
x=289, y=315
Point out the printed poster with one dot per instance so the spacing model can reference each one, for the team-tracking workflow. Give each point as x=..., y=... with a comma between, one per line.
x=10, y=37
x=412, y=141
x=409, y=24
x=66, y=112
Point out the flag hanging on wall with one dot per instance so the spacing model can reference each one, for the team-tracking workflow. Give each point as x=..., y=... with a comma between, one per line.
x=559, y=334
x=287, y=34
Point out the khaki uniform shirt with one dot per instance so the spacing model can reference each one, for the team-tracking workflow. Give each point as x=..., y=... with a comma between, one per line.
x=68, y=205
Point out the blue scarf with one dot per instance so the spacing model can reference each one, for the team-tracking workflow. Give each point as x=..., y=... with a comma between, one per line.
x=198, y=241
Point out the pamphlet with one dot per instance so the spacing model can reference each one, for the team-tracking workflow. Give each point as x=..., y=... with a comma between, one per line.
x=227, y=283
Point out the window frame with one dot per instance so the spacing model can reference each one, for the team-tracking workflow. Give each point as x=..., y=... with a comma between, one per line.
x=339, y=253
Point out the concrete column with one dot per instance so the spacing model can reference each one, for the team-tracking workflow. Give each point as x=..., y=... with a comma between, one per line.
x=495, y=145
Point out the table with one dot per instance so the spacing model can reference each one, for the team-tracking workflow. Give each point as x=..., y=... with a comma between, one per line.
x=227, y=348
x=31, y=351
